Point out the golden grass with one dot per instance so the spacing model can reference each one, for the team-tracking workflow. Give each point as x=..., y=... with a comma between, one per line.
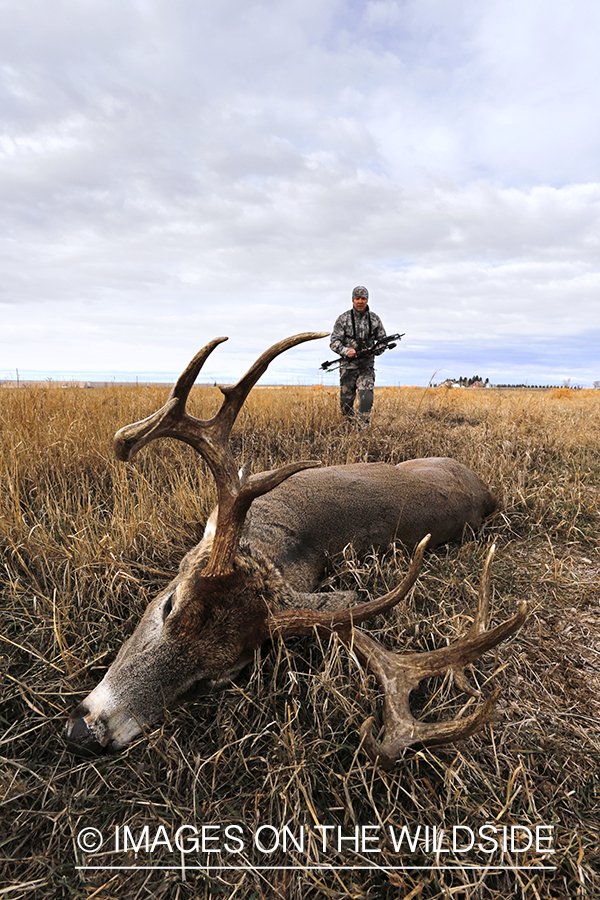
x=86, y=541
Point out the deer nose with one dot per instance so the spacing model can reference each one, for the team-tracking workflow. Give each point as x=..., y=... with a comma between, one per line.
x=81, y=741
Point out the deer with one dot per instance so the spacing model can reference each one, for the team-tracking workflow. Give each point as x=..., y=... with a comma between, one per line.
x=254, y=577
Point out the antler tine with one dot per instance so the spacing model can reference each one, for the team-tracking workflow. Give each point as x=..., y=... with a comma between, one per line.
x=211, y=439
x=236, y=394
x=182, y=387
x=303, y=621
x=399, y=674
x=480, y=621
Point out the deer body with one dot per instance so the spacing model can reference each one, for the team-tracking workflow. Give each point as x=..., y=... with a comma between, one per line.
x=253, y=576
x=318, y=512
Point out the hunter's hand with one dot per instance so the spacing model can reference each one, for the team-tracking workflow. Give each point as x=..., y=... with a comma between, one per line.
x=351, y=353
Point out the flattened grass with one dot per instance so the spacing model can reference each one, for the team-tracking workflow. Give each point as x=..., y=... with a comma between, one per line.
x=86, y=541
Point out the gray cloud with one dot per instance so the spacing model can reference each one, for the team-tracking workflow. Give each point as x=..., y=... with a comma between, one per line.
x=174, y=170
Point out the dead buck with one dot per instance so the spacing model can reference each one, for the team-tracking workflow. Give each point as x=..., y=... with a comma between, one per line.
x=251, y=578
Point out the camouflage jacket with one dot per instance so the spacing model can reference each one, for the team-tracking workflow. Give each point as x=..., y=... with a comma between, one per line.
x=357, y=334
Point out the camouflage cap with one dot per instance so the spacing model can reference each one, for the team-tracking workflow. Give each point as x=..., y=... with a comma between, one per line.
x=360, y=291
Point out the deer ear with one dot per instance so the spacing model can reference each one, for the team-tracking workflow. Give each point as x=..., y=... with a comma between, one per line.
x=211, y=525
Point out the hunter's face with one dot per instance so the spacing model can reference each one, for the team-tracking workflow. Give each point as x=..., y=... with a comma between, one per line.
x=360, y=303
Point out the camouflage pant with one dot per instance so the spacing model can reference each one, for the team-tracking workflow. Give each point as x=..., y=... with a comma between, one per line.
x=353, y=379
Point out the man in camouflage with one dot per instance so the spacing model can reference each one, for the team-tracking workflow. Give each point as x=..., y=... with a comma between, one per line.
x=353, y=332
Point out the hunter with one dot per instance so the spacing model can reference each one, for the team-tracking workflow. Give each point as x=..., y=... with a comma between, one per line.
x=353, y=333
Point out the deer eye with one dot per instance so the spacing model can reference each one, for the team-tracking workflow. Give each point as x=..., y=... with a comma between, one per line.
x=168, y=606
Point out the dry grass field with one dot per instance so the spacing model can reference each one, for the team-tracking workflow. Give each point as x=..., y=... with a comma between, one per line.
x=85, y=541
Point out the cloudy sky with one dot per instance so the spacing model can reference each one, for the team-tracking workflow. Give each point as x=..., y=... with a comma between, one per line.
x=175, y=170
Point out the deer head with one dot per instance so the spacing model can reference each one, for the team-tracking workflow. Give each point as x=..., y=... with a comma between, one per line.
x=228, y=599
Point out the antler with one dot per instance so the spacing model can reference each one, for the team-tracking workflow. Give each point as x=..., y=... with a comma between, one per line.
x=399, y=674
x=210, y=438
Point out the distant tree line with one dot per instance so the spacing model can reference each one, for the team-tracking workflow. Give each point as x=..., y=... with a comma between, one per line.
x=477, y=381
x=541, y=387
x=466, y=382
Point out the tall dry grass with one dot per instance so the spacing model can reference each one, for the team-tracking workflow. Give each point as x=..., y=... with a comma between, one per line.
x=85, y=542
